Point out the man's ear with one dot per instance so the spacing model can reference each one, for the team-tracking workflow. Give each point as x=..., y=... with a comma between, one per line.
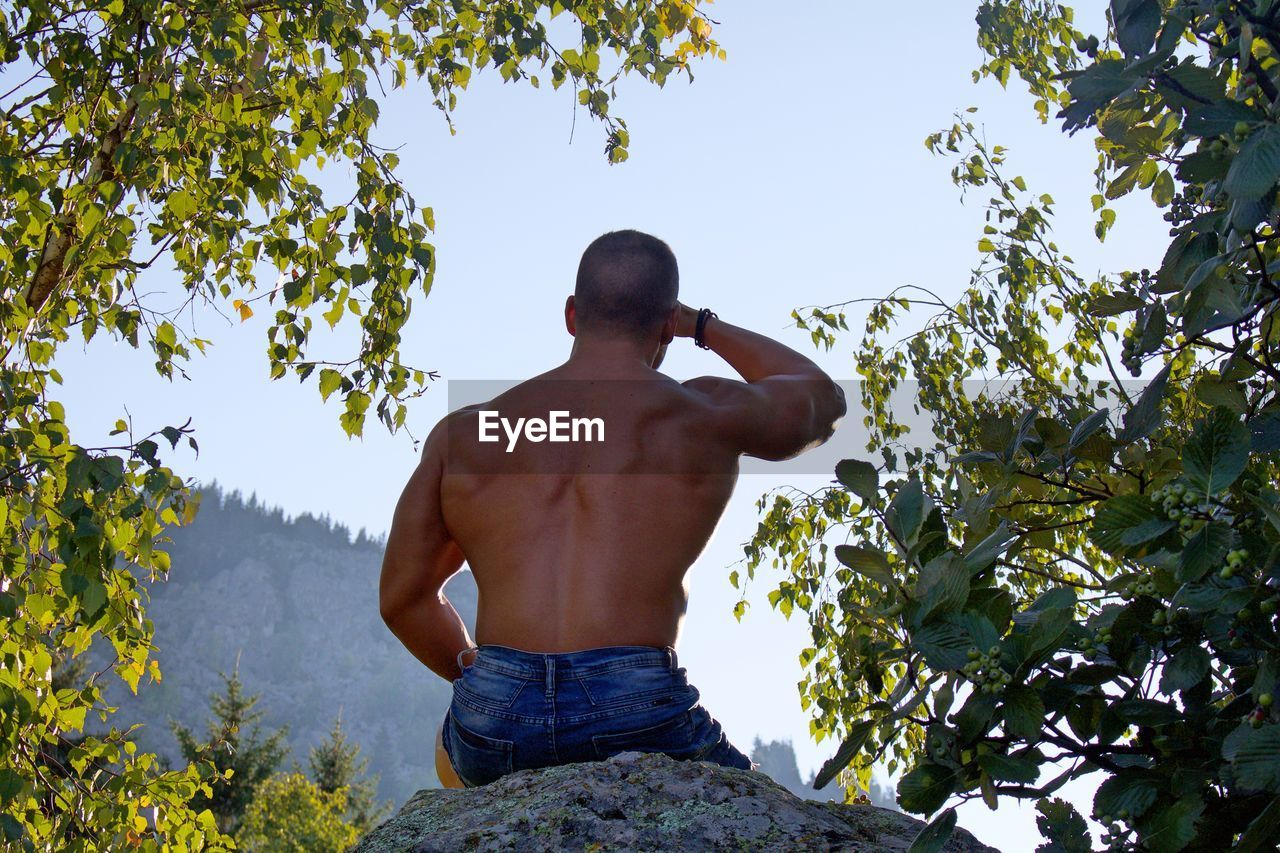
x=571, y=316
x=669, y=327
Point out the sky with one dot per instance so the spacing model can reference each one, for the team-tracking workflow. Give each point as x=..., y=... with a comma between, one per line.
x=792, y=174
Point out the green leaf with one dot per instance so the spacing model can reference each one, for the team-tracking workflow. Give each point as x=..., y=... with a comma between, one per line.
x=182, y=205
x=926, y=788
x=871, y=563
x=1061, y=824
x=943, y=587
x=1110, y=304
x=848, y=750
x=167, y=335
x=1262, y=832
x=906, y=512
x=1255, y=757
x=1217, y=451
x=1086, y=428
x=935, y=834
x=1009, y=769
x=13, y=831
x=1172, y=828
x=1126, y=522
x=1024, y=712
x=1267, y=506
x=1136, y=25
x=93, y=598
x=11, y=784
x=985, y=552
x=1144, y=415
x=1205, y=551
x=1219, y=119
x=1185, y=669
x=330, y=380
x=1264, y=433
x=1218, y=392
x=1092, y=90
x=1147, y=712
x=973, y=720
x=1184, y=256
x=859, y=477
x=1126, y=790
x=945, y=646
x=1256, y=166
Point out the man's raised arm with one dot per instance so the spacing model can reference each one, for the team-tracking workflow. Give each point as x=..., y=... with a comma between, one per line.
x=420, y=557
x=787, y=404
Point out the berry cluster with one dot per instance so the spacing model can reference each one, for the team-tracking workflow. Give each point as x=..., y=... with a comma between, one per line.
x=1235, y=559
x=985, y=670
x=1261, y=711
x=1182, y=208
x=1165, y=619
x=1248, y=90
x=1219, y=146
x=1181, y=504
x=1088, y=46
x=1089, y=647
x=1141, y=585
x=1116, y=835
x=1131, y=354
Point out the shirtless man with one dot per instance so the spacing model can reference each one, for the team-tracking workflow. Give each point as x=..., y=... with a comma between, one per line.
x=580, y=549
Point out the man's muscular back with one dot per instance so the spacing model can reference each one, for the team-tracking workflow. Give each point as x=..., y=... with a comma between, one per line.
x=583, y=544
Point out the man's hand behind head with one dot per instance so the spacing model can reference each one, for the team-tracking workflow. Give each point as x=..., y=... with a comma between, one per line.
x=686, y=321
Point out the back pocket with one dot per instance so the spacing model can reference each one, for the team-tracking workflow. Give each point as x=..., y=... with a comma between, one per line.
x=477, y=759
x=673, y=736
x=488, y=688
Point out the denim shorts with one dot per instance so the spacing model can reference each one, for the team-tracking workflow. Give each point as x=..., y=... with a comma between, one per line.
x=516, y=710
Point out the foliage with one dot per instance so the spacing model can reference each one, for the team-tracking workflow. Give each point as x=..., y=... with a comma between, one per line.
x=238, y=750
x=292, y=814
x=336, y=765
x=139, y=138
x=1073, y=573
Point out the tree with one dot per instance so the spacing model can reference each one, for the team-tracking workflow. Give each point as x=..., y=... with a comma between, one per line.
x=139, y=138
x=291, y=814
x=236, y=747
x=1073, y=573
x=336, y=765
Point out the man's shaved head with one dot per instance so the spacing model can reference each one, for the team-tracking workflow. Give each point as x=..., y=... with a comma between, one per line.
x=627, y=285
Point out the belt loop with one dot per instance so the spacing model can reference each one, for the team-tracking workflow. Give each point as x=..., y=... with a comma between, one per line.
x=549, y=664
x=463, y=652
x=673, y=661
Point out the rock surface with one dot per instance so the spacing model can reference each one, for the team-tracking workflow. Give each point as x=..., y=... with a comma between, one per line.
x=640, y=801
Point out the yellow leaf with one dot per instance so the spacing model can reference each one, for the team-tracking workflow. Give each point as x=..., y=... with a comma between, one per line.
x=245, y=311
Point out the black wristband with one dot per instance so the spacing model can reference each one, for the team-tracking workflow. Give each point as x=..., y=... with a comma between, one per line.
x=700, y=329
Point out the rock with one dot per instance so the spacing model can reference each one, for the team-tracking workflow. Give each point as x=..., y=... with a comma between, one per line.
x=640, y=801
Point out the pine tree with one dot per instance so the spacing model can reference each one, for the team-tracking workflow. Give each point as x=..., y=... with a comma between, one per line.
x=232, y=744
x=336, y=763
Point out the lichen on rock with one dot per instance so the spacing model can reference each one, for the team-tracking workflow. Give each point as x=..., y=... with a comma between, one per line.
x=640, y=801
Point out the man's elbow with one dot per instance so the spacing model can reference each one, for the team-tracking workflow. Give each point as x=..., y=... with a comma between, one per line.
x=390, y=611
x=829, y=407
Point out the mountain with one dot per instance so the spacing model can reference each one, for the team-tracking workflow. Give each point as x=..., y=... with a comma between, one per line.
x=777, y=759
x=293, y=604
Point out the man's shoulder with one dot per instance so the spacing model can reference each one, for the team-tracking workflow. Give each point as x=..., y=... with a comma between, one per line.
x=716, y=391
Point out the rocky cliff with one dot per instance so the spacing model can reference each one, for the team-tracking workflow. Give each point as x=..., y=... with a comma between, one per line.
x=640, y=801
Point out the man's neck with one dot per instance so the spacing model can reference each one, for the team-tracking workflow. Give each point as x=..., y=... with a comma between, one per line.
x=610, y=355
